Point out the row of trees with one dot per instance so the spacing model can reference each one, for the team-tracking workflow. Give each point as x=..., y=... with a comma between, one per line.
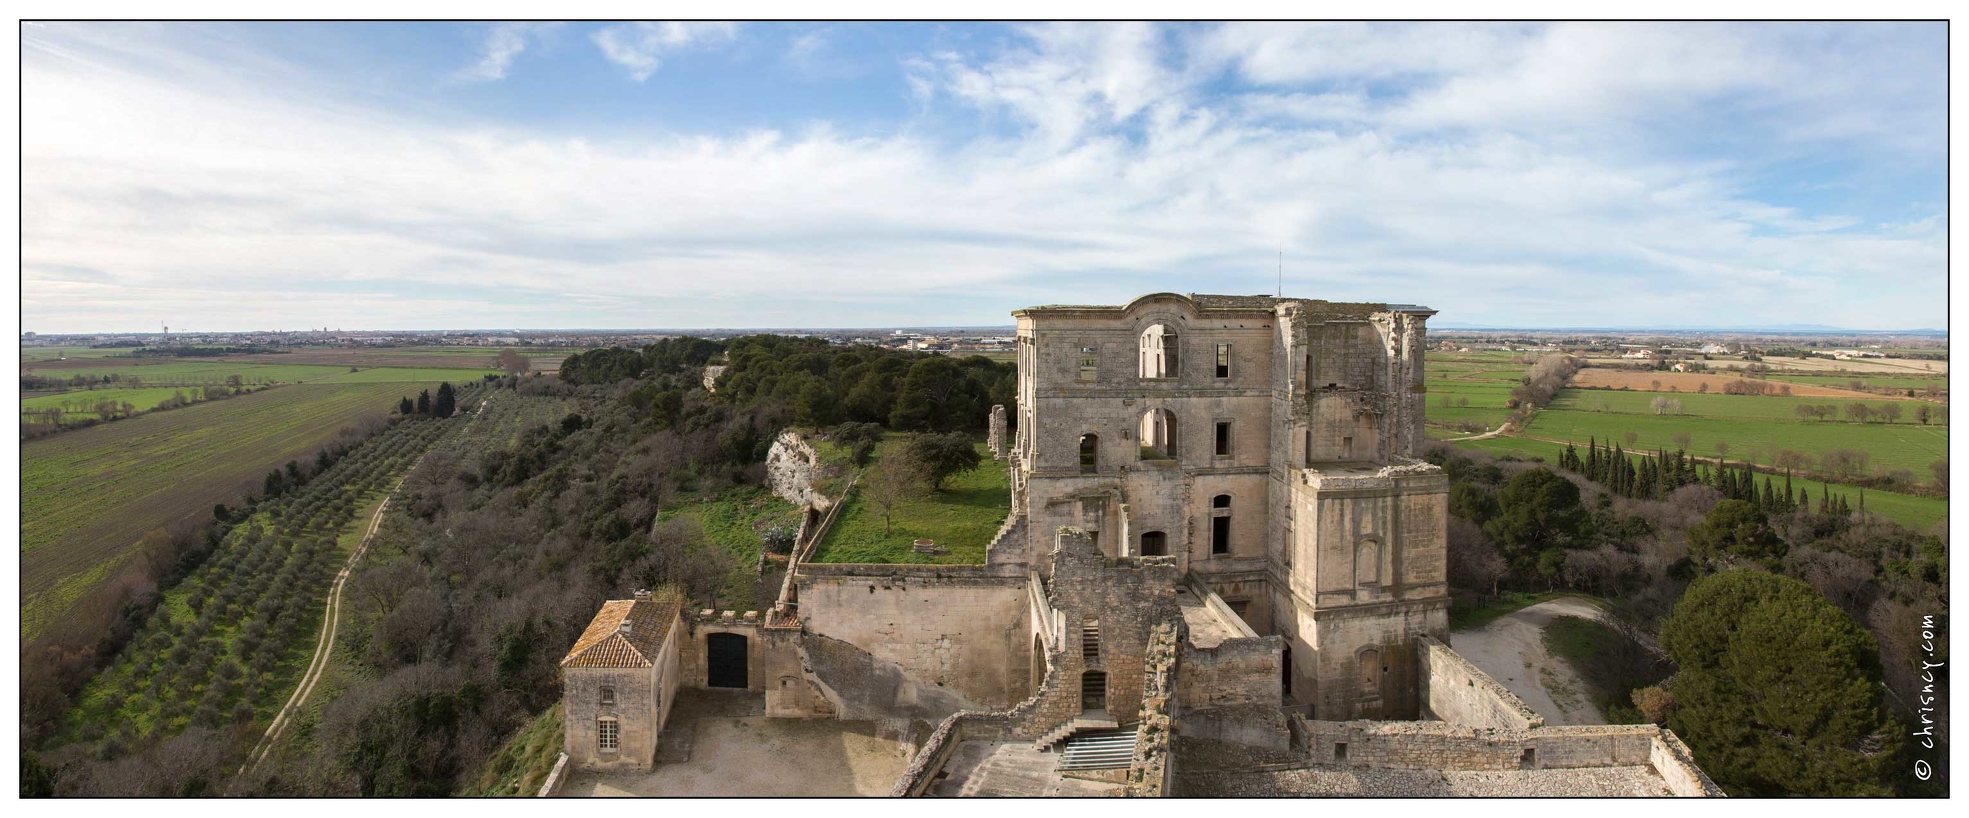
x=442, y=406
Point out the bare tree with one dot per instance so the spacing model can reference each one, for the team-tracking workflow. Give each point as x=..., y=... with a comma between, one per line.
x=898, y=476
x=1630, y=438
x=513, y=363
x=1682, y=440
x=1858, y=412
x=1890, y=411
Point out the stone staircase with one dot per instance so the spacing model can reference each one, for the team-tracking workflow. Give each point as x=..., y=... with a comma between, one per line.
x=1091, y=720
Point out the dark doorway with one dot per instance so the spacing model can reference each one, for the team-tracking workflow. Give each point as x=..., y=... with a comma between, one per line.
x=725, y=660
x=1155, y=544
x=1093, y=690
x=1220, y=535
x=1090, y=454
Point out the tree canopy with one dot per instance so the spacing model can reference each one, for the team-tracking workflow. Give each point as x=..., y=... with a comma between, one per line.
x=1779, y=690
x=944, y=456
x=1735, y=529
x=1537, y=512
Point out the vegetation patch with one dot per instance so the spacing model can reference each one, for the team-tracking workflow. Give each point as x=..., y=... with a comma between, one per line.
x=520, y=766
x=961, y=518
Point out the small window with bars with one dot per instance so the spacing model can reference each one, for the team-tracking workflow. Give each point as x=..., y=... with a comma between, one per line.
x=608, y=696
x=608, y=735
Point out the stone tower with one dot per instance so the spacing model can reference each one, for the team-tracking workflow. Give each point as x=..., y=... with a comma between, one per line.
x=1266, y=446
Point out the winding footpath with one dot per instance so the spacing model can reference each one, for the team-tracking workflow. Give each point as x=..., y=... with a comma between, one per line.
x=330, y=620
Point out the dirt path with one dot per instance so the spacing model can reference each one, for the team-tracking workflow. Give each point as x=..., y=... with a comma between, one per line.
x=1512, y=650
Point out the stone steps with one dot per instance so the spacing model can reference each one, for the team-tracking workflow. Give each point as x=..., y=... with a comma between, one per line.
x=1082, y=723
x=1102, y=750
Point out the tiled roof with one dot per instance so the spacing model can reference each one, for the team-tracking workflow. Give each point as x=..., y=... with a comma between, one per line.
x=604, y=644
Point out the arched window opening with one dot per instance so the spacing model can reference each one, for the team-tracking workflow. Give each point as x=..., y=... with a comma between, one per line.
x=1090, y=453
x=1367, y=563
x=1155, y=544
x=1158, y=435
x=1370, y=660
x=1159, y=347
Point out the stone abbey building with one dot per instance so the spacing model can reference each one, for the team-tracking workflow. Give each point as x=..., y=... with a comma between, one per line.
x=1219, y=532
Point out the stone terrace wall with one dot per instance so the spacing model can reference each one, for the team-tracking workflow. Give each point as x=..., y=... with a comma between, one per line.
x=961, y=627
x=1459, y=693
x=1435, y=745
x=1672, y=761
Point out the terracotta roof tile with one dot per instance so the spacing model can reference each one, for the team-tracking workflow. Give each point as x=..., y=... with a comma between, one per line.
x=604, y=644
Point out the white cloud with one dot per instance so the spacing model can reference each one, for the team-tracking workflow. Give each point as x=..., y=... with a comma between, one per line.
x=1115, y=171
x=640, y=47
x=503, y=43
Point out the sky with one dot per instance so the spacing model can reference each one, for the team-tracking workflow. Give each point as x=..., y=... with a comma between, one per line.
x=225, y=177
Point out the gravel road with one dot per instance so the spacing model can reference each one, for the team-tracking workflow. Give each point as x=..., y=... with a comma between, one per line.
x=1512, y=650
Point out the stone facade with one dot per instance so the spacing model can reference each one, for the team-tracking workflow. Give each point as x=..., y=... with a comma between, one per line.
x=1265, y=445
x=619, y=681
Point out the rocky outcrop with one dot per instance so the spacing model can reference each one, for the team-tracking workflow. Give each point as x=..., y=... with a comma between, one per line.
x=793, y=469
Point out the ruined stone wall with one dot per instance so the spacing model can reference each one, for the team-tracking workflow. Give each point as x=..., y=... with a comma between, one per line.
x=1154, y=764
x=1457, y=692
x=958, y=627
x=1126, y=597
x=861, y=687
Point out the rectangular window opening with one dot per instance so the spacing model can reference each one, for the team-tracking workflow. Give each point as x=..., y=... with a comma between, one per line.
x=606, y=735
x=1090, y=363
x=1223, y=439
x=1223, y=360
x=1220, y=535
x=608, y=696
x=1339, y=751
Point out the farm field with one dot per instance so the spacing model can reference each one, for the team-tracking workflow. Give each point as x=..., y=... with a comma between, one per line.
x=232, y=637
x=1468, y=390
x=432, y=356
x=399, y=374
x=88, y=495
x=1696, y=383
x=1867, y=381
x=181, y=372
x=1884, y=366
x=57, y=353
x=962, y=519
x=84, y=400
x=1897, y=446
x=1918, y=513
x=1767, y=407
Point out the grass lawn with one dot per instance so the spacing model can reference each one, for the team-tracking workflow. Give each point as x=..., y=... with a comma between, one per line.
x=962, y=519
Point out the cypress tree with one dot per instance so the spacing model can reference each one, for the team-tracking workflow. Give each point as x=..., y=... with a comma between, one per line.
x=1769, y=502
x=424, y=402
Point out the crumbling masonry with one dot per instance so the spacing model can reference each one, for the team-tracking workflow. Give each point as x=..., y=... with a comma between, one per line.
x=1219, y=532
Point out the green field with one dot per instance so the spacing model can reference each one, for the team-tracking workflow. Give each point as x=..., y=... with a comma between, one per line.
x=88, y=495
x=1469, y=389
x=83, y=401
x=1866, y=381
x=1766, y=407
x=57, y=353
x=962, y=519
x=1918, y=513
x=396, y=374
x=194, y=372
x=1897, y=446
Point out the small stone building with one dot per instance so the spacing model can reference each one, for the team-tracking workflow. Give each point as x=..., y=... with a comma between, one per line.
x=619, y=682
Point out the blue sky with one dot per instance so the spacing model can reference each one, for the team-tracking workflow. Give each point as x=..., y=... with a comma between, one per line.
x=400, y=176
